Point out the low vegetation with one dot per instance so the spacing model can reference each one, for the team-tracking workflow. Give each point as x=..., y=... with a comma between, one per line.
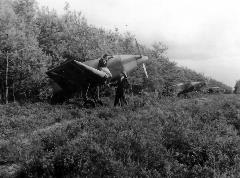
x=151, y=137
x=171, y=137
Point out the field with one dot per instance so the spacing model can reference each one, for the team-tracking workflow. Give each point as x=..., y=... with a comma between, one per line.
x=151, y=137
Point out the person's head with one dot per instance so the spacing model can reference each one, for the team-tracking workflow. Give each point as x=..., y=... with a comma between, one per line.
x=107, y=56
x=104, y=56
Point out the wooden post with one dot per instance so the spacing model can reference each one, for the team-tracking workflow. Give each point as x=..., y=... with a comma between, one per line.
x=6, y=80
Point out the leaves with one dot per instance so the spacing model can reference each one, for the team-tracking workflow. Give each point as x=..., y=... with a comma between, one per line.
x=38, y=39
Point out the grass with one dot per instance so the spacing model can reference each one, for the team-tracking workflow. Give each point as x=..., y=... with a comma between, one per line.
x=170, y=137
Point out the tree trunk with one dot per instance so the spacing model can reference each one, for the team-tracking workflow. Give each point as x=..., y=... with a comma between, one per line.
x=6, y=80
x=13, y=92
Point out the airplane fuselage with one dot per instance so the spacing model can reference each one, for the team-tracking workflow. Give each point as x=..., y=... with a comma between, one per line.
x=72, y=76
x=120, y=63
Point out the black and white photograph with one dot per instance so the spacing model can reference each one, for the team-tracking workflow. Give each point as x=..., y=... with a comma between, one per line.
x=119, y=88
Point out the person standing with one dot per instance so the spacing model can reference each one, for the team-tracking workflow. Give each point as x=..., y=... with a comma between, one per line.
x=122, y=84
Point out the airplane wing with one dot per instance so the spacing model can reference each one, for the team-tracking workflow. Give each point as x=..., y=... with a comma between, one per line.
x=72, y=74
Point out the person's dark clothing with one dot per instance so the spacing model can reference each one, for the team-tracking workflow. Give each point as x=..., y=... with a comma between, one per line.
x=122, y=84
x=103, y=60
x=102, y=63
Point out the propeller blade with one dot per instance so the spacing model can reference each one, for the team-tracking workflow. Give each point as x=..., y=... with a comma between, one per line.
x=145, y=70
x=138, y=48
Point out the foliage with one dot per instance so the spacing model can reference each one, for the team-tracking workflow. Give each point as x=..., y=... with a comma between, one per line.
x=170, y=137
x=198, y=137
x=35, y=40
x=237, y=87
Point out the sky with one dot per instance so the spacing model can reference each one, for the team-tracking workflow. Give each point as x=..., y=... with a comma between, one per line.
x=203, y=35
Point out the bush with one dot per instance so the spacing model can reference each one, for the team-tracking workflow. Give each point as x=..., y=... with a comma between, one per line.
x=171, y=137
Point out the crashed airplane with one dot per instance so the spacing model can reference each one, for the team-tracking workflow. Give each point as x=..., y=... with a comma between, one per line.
x=184, y=88
x=73, y=76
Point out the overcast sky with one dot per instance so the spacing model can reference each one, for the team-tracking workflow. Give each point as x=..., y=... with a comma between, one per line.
x=203, y=35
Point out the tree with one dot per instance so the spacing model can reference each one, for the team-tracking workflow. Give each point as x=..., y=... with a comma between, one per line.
x=22, y=62
x=237, y=87
x=32, y=40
